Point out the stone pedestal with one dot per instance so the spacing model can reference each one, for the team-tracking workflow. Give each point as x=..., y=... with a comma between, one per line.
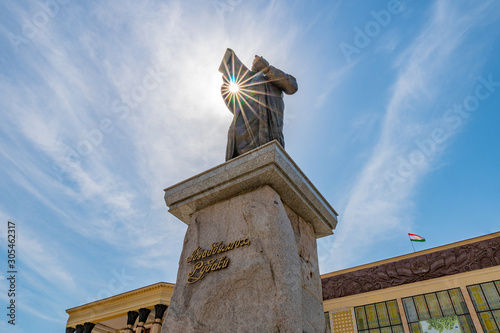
x=249, y=261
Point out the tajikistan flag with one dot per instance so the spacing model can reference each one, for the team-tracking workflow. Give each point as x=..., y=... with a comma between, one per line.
x=416, y=238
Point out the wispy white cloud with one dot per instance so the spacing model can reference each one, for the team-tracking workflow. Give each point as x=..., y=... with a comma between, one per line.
x=333, y=80
x=73, y=79
x=373, y=206
x=44, y=259
x=39, y=267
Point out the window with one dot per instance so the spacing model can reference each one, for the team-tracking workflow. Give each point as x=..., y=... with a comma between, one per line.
x=486, y=300
x=380, y=317
x=341, y=321
x=446, y=303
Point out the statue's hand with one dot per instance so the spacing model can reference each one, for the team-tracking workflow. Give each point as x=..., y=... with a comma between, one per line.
x=260, y=64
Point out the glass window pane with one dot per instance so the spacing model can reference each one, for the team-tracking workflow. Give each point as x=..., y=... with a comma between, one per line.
x=398, y=329
x=466, y=324
x=476, y=294
x=392, y=307
x=491, y=294
x=385, y=330
x=445, y=302
x=458, y=301
x=375, y=331
x=423, y=312
x=327, y=322
x=496, y=315
x=488, y=323
x=383, y=318
x=411, y=312
x=415, y=328
x=361, y=318
x=497, y=283
x=371, y=315
x=433, y=305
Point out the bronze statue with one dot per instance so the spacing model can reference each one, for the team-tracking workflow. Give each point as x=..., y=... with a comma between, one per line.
x=255, y=98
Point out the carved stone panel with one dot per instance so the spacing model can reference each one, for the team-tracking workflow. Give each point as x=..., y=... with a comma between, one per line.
x=451, y=261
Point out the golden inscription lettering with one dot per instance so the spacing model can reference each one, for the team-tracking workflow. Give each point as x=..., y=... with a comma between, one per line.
x=201, y=268
x=216, y=248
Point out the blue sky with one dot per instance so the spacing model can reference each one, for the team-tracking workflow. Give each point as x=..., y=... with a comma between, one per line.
x=104, y=104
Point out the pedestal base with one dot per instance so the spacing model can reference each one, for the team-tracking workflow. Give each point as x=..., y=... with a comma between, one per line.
x=249, y=261
x=270, y=285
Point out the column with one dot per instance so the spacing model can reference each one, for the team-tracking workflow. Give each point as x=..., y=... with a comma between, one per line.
x=88, y=327
x=70, y=330
x=143, y=317
x=131, y=317
x=79, y=329
x=159, y=311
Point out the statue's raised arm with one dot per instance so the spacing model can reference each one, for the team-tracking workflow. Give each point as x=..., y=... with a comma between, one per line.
x=255, y=97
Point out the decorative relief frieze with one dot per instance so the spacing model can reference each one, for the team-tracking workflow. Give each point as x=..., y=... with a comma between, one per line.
x=451, y=261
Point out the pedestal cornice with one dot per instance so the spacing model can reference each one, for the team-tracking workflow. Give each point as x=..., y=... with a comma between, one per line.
x=266, y=165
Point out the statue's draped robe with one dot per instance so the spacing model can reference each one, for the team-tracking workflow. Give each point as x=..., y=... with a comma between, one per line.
x=258, y=112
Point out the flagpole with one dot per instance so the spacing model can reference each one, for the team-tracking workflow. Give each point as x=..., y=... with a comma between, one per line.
x=411, y=243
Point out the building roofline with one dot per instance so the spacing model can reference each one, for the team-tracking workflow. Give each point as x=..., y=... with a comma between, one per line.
x=414, y=254
x=121, y=295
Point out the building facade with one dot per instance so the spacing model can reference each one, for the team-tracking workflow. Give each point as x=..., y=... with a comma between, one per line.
x=454, y=287
x=141, y=311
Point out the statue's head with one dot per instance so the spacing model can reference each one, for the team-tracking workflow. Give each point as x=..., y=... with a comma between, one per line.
x=259, y=64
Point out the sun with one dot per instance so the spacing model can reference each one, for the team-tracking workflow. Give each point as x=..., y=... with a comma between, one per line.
x=234, y=87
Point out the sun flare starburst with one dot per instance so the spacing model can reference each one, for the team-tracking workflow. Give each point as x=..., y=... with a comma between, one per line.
x=234, y=87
